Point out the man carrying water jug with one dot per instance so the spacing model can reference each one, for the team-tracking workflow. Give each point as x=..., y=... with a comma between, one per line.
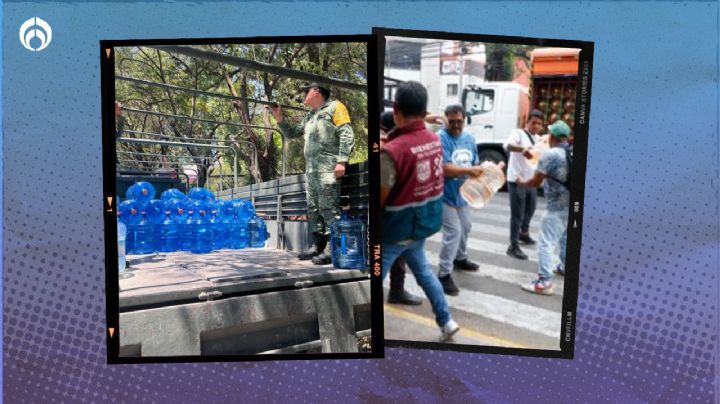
x=460, y=161
x=411, y=190
x=329, y=139
x=554, y=169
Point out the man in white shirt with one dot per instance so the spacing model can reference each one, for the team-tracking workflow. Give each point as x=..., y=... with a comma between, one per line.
x=522, y=199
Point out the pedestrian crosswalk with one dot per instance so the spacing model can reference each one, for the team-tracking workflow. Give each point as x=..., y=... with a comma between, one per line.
x=491, y=298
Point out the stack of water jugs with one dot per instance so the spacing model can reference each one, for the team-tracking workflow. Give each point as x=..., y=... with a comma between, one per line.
x=197, y=222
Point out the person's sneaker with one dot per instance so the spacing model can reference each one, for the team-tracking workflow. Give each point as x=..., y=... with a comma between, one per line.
x=515, y=252
x=402, y=296
x=560, y=269
x=526, y=239
x=465, y=265
x=448, y=330
x=448, y=285
x=538, y=286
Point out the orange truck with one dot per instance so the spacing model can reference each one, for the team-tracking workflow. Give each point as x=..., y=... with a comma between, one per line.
x=495, y=108
x=554, y=83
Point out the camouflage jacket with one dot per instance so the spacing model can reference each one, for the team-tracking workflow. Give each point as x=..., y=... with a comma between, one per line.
x=119, y=126
x=329, y=138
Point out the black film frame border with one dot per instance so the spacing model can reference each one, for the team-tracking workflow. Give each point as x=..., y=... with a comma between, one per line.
x=109, y=154
x=577, y=186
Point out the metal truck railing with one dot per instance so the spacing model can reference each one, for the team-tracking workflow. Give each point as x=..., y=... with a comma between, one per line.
x=283, y=204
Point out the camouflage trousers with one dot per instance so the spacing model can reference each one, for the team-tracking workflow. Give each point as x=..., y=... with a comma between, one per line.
x=323, y=200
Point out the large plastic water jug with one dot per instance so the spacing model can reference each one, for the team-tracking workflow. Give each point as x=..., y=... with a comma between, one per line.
x=201, y=194
x=143, y=192
x=237, y=233
x=224, y=212
x=186, y=239
x=201, y=230
x=257, y=232
x=219, y=234
x=129, y=211
x=170, y=233
x=348, y=242
x=179, y=209
x=243, y=208
x=478, y=191
x=121, y=235
x=172, y=193
x=144, y=232
x=129, y=214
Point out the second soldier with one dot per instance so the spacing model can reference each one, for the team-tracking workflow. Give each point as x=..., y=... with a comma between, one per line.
x=329, y=139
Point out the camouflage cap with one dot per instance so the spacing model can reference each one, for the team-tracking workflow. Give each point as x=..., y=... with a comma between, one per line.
x=323, y=90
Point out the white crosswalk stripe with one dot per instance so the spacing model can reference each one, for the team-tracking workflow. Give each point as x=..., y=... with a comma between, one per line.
x=501, y=274
x=535, y=319
x=490, y=247
x=483, y=242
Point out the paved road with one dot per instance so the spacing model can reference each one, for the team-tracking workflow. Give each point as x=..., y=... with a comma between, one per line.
x=491, y=308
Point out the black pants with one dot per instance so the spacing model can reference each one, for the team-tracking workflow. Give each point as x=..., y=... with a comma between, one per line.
x=522, y=207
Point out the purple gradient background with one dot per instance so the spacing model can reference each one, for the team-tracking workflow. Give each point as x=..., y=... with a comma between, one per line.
x=647, y=320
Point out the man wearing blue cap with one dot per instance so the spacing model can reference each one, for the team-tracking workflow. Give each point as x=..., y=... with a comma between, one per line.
x=554, y=169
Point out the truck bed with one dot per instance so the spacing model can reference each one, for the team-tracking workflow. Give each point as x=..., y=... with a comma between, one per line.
x=239, y=302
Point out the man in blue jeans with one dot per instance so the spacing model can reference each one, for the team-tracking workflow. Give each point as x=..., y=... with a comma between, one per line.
x=411, y=190
x=523, y=200
x=554, y=169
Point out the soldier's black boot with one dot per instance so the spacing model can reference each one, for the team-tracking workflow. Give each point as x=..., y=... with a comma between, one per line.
x=325, y=258
x=319, y=242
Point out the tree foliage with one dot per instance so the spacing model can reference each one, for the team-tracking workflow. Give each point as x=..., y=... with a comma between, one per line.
x=345, y=61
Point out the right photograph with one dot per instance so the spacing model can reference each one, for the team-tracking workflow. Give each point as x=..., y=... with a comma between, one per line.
x=482, y=167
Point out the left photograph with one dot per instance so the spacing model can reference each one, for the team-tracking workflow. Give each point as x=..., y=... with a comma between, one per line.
x=237, y=199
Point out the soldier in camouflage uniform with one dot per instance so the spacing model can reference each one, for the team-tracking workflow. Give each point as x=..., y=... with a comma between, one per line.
x=329, y=139
x=119, y=120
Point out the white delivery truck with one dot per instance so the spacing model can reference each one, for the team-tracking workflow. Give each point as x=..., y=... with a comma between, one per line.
x=493, y=110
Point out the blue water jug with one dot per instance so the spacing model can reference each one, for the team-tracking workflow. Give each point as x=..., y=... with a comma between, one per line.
x=257, y=232
x=186, y=239
x=243, y=209
x=223, y=213
x=130, y=193
x=238, y=233
x=201, y=230
x=170, y=232
x=143, y=192
x=129, y=214
x=144, y=232
x=201, y=194
x=348, y=242
x=156, y=214
x=172, y=193
x=179, y=209
x=215, y=225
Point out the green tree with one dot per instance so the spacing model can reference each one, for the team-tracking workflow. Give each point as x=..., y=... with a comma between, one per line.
x=500, y=60
x=345, y=61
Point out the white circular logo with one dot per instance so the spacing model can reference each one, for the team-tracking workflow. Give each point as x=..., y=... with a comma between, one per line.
x=462, y=157
x=37, y=31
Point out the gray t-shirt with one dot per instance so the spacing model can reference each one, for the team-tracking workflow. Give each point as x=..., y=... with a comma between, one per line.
x=554, y=165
